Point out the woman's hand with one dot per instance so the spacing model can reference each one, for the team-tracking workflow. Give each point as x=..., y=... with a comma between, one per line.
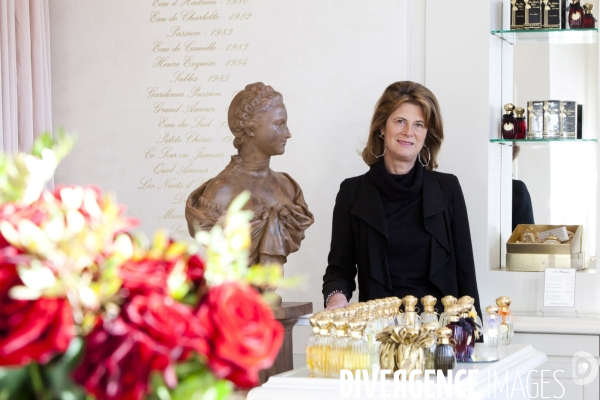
x=338, y=300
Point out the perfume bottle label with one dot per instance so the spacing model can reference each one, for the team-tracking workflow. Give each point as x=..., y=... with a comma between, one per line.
x=568, y=114
x=533, y=14
x=517, y=15
x=551, y=118
x=575, y=16
x=508, y=126
x=535, y=117
x=552, y=13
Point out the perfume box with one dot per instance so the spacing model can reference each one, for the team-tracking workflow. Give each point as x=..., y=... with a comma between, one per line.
x=551, y=119
x=535, y=119
x=552, y=12
x=533, y=14
x=517, y=14
x=580, y=121
x=568, y=119
x=539, y=256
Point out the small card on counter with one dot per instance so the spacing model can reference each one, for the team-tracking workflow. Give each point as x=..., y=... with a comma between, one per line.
x=559, y=233
x=559, y=287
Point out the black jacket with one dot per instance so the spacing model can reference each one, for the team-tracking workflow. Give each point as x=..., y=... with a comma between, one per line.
x=359, y=240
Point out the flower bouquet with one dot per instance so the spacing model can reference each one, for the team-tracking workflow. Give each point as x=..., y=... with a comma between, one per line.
x=90, y=310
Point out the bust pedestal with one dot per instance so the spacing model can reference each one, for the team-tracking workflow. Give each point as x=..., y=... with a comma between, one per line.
x=288, y=314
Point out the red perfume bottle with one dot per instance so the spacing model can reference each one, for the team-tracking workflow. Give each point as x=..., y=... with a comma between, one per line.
x=588, y=19
x=521, y=124
x=575, y=15
x=508, y=122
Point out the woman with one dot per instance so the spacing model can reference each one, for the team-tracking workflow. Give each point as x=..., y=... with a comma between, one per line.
x=258, y=119
x=401, y=226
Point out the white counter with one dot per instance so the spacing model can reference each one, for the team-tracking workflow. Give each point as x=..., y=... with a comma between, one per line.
x=562, y=325
x=511, y=371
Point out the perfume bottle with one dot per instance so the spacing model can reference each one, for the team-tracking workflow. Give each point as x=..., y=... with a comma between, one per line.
x=412, y=318
x=521, y=124
x=469, y=303
x=506, y=325
x=462, y=333
x=399, y=319
x=429, y=314
x=588, y=19
x=430, y=351
x=491, y=327
x=372, y=343
x=310, y=346
x=446, y=301
x=322, y=348
x=575, y=15
x=357, y=352
x=445, y=358
x=338, y=347
x=508, y=122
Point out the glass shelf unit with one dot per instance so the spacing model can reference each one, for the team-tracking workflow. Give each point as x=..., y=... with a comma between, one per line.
x=540, y=141
x=551, y=36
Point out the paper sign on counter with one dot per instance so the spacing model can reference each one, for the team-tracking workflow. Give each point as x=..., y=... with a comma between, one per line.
x=559, y=287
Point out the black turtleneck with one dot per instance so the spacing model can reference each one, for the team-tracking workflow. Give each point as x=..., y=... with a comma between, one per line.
x=409, y=244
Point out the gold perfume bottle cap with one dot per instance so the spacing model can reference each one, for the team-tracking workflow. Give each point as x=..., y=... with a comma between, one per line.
x=428, y=303
x=357, y=326
x=448, y=300
x=503, y=301
x=443, y=335
x=509, y=107
x=324, y=324
x=454, y=311
x=491, y=310
x=410, y=302
x=587, y=8
x=313, y=323
x=520, y=111
x=467, y=299
x=429, y=328
x=341, y=327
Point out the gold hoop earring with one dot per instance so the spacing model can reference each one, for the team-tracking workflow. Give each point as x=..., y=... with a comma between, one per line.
x=429, y=157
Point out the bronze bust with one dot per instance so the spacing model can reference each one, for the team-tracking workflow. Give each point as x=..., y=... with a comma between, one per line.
x=258, y=119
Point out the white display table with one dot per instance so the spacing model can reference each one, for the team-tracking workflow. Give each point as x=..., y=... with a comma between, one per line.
x=506, y=378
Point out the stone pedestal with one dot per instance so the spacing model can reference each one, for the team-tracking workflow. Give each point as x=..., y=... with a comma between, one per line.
x=288, y=314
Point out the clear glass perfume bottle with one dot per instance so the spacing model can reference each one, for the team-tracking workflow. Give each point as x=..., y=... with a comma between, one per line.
x=507, y=330
x=372, y=343
x=446, y=302
x=399, y=319
x=310, y=346
x=429, y=314
x=322, y=348
x=357, y=352
x=575, y=15
x=445, y=358
x=338, y=347
x=589, y=21
x=429, y=352
x=508, y=122
x=491, y=327
x=410, y=314
x=521, y=124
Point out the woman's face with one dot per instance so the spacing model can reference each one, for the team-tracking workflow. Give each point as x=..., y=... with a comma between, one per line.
x=404, y=133
x=271, y=132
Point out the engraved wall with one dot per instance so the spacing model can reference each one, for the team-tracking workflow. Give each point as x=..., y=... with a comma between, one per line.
x=146, y=84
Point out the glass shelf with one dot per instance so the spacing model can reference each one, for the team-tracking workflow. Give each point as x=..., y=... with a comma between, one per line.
x=552, y=36
x=539, y=141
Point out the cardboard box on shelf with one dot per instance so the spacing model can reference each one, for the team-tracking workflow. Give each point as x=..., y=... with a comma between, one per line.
x=539, y=256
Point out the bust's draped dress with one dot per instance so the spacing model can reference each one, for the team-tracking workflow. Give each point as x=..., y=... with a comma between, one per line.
x=276, y=231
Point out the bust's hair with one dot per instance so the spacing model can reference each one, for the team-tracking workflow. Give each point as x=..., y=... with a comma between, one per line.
x=393, y=96
x=246, y=108
x=516, y=149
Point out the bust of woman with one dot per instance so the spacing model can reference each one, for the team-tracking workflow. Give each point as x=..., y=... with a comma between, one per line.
x=258, y=119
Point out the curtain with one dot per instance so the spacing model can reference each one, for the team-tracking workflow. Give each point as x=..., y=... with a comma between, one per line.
x=25, y=98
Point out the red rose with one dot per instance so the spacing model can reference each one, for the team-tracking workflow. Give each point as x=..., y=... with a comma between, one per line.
x=172, y=325
x=32, y=330
x=243, y=335
x=146, y=275
x=195, y=270
x=117, y=362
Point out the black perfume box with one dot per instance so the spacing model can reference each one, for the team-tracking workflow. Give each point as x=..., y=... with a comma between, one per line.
x=533, y=14
x=579, y=121
x=552, y=12
x=517, y=14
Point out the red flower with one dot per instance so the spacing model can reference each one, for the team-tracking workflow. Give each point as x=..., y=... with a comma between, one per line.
x=195, y=270
x=146, y=275
x=117, y=362
x=32, y=330
x=243, y=335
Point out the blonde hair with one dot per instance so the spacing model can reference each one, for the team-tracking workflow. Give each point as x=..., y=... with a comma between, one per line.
x=393, y=96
